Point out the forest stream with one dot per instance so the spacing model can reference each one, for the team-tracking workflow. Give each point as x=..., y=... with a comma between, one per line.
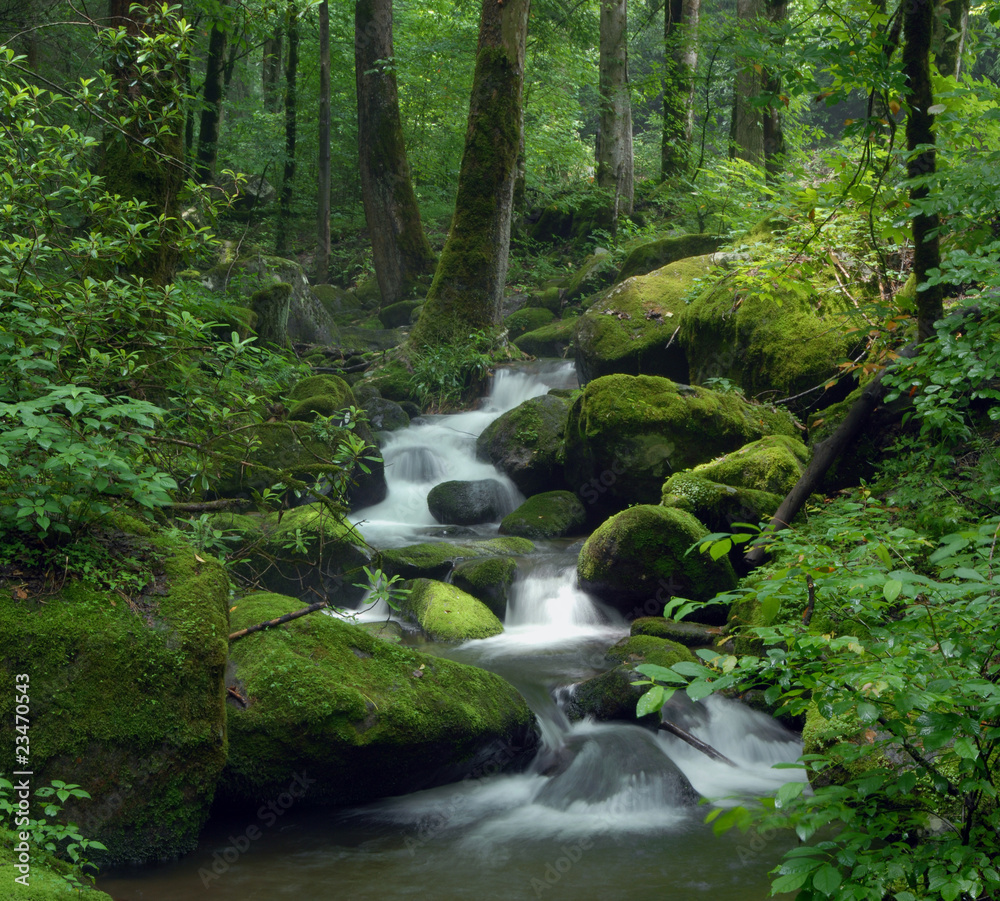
x=604, y=811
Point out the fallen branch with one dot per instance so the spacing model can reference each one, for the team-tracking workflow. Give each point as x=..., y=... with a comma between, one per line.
x=695, y=743
x=288, y=617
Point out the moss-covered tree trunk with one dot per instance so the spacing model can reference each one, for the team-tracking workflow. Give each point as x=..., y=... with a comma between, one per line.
x=746, y=127
x=918, y=32
x=951, y=29
x=774, y=134
x=680, y=38
x=211, y=113
x=271, y=70
x=323, y=204
x=615, y=163
x=291, y=122
x=400, y=250
x=468, y=285
x=144, y=158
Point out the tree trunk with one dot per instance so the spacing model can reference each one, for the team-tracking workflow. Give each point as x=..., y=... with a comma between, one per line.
x=400, y=250
x=288, y=178
x=774, y=136
x=271, y=71
x=746, y=128
x=208, y=134
x=951, y=28
x=615, y=164
x=468, y=285
x=918, y=26
x=323, y=205
x=680, y=38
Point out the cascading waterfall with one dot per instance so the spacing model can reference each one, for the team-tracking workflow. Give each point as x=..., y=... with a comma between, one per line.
x=605, y=811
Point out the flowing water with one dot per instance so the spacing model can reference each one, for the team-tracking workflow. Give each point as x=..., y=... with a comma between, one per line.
x=606, y=811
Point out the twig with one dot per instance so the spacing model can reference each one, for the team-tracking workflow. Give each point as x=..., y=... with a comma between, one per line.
x=695, y=743
x=288, y=617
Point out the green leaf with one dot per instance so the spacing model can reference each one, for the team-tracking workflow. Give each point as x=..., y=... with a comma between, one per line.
x=698, y=690
x=651, y=701
x=827, y=880
x=790, y=883
x=891, y=589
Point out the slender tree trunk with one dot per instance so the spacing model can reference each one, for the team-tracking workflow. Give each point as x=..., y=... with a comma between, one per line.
x=288, y=179
x=271, y=71
x=918, y=28
x=400, y=250
x=746, y=128
x=680, y=38
x=208, y=134
x=615, y=164
x=951, y=28
x=468, y=285
x=323, y=206
x=774, y=135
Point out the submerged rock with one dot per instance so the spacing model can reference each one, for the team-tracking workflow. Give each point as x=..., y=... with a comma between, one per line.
x=336, y=716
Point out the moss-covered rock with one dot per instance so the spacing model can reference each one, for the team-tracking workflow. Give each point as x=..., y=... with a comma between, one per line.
x=394, y=382
x=47, y=878
x=435, y=560
x=552, y=514
x=716, y=505
x=385, y=415
x=127, y=696
x=777, y=344
x=400, y=314
x=656, y=254
x=527, y=319
x=325, y=385
x=446, y=613
x=343, y=717
x=488, y=581
x=468, y=503
x=552, y=340
x=625, y=435
x=526, y=443
x=270, y=309
x=689, y=634
x=596, y=274
x=550, y=299
x=642, y=554
x=309, y=551
x=773, y=464
x=638, y=649
x=633, y=327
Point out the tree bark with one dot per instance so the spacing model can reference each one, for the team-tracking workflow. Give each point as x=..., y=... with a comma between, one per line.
x=400, y=250
x=208, y=133
x=271, y=70
x=468, y=285
x=951, y=29
x=615, y=163
x=918, y=26
x=288, y=178
x=680, y=38
x=746, y=128
x=323, y=205
x=774, y=135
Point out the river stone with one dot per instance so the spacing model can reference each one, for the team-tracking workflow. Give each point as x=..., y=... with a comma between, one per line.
x=488, y=581
x=549, y=515
x=446, y=613
x=689, y=634
x=596, y=273
x=773, y=464
x=718, y=506
x=127, y=699
x=552, y=340
x=626, y=435
x=469, y=503
x=385, y=415
x=526, y=443
x=638, y=560
x=343, y=717
x=434, y=560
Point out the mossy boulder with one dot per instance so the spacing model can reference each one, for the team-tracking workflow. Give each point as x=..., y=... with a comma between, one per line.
x=633, y=327
x=400, y=314
x=468, y=503
x=552, y=514
x=446, y=613
x=127, y=696
x=385, y=415
x=626, y=435
x=638, y=649
x=777, y=344
x=657, y=254
x=526, y=443
x=641, y=555
x=488, y=581
x=394, y=381
x=527, y=319
x=309, y=551
x=716, y=505
x=270, y=309
x=596, y=274
x=773, y=464
x=47, y=876
x=434, y=560
x=344, y=717
x=552, y=340
x=550, y=298
x=689, y=634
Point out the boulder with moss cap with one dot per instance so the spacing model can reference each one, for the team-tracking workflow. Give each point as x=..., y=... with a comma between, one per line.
x=487, y=580
x=447, y=613
x=552, y=514
x=356, y=718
